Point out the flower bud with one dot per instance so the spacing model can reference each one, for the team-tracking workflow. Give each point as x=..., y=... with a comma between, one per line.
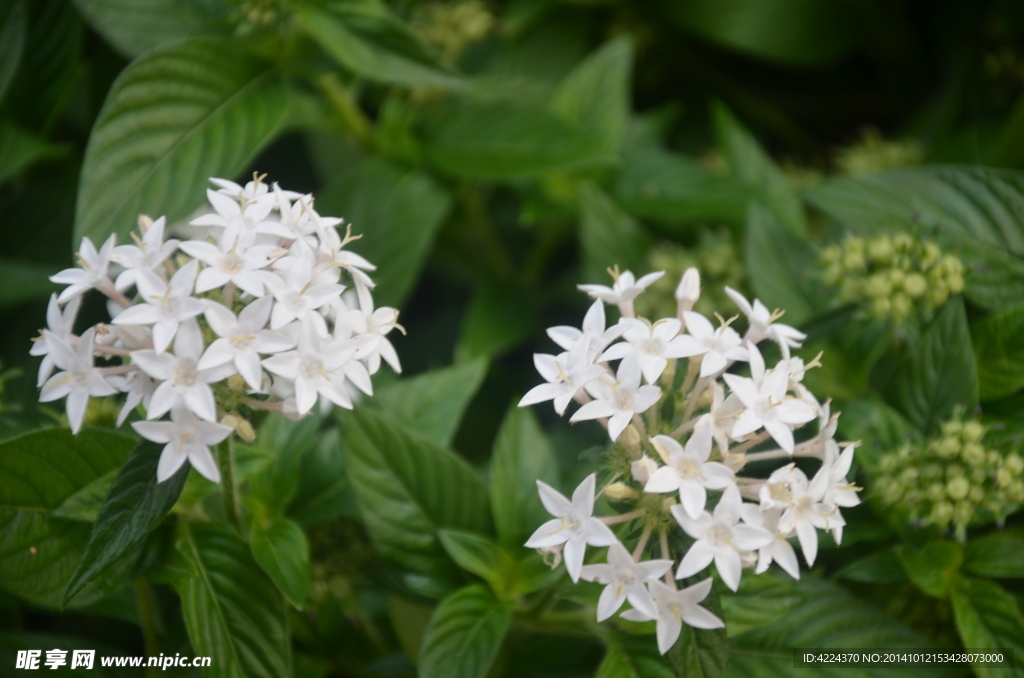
x=1015, y=492
x=880, y=307
x=948, y=448
x=973, y=454
x=630, y=439
x=937, y=296
x=963, y=513
x=688, y=291
x=931, y=471
x=620, y=490
x=1003, y=477
x=941, y=513
x=880, y=249
x=915, y=285
x=976, y=494
x=973, y=431
x=145, y=221
x=900, y=306
x=936, y=492
x=1014, y=464
x=642, y=469
x=957, y=488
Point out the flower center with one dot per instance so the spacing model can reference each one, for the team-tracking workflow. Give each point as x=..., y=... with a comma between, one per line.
x=311, y=366
x=185, y=373
x=624, y=400
x=687, y=470
x=719, y=534
x=231, y=264
x=652, y=346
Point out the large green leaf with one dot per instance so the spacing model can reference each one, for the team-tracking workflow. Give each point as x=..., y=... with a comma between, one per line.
x=22, y=281
x=751, y=165
x=796, y=32
x=433, y=403
x=505, y=141
x=996, y=555
x=42, y=470
x=398, y=212
x=280, y=547
x=324, y=488
x=170, y=121
x=232, y=611
x=12, y=38
x=938, y=373
x=781, y=267
x=368, y=58
x=522, y=456
x=671, y=189
x=932, y=568
x=481, y=556
x=827, y=617
x=408, y=487
x=759, y=602
x=498, y=319
x=134, y=27
x=284, y=443
x=999, y=352
x=595, y=96
x=608, y=235
x=629, y=657
x=974, y=210
x=988, y=617
x=135, y=505
x=464, y=635
x=704, y=653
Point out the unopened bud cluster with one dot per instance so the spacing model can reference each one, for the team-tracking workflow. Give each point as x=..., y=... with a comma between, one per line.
x=893, y=275
x=953, y=479
x=453, y=26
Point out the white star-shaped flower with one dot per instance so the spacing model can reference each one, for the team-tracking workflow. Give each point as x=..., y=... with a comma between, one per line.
x=167, y=305
x=245, y=216
x=764, y=397
x=78, y=380
x=763, y=325
x=574, y=524
x=316, y=367
x=371, y=326
x=182, y=382
x=297, y=295
x=724, y=412
x=618, y=399
x=624, y=580
x=719, y=347
x=91, y=271
x=779, y=549
x=243, y=339
x=230, y=261
x=139, y=388
x=186, y=438
x=676, y=608
x=58, y=324
x=787, y=488
x=688, y=470
x=720, y=538
x=593, y=329
x=623, y=291
x=655, y=344
x=148, y=252
x=565, y=373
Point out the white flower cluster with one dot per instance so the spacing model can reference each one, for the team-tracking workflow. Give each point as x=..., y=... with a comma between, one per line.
x=703, y=447
x=196, y=321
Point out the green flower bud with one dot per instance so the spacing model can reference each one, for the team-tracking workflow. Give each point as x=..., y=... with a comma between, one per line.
x=957, y=488
x=831, y=255
x=900, y=306
x=896, y=277
x=948, y=448
x=973, y=454
x=880, y=307
x=941, y=514
x=937, y=296
x=902, y=242
x=878, y=285
x=905, y=453
x=962, y=514
x=954, y=471
x=887, y=464
x=951, y=266
x=955, y=284
x=978, y=476
x=1014, y=464
x=1015, y=492
x=1003, y=477
x=973, y=431
x=931, y=471
x=915, y=285
x=993, y=458
x=976, y=495
x=854, y=262
x=936, y=492
x=850, y=289
x=880, y=249
x=931, y=254
x=909, y=476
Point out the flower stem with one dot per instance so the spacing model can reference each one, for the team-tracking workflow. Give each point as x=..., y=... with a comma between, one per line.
x=229, y=295
x=613, y=520
x=669, y=576
x=227, y=480
x=638, y=552
x=694, y=397
x=148, y=621
x=684, y=427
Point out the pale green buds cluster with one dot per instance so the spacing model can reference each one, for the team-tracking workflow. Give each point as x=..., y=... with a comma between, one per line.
x=953, y=479
x=873, y=153
x=453, y=26
x=893, y=275
x=719, y=259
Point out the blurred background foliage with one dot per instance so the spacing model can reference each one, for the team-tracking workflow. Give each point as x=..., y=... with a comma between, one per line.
x=826, y=157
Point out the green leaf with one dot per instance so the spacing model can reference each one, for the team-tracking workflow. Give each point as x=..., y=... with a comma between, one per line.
x=760, y=601
x=279, y=546
x=505, y=141
x=499, y=318
x=12, y=39
x=398, y=212
x=85, y=504
x=409, y=620
x=408, y=487
x=751, y=165
x=780, y=267
x=433, y=403
x=795, y=32
x=233, y=612
x=629, y=657
x=595, y=96
x=999, y=353
x=42, y=469
x=133, y=27
x=481, y=556
x=828, y=617
x=22, y=281
x=933, y=568
x=169, y=123
x=975, y=211
x=996, y=555
x=704, y=652
x=284, y=443
x=324, y=488
x=988, y=617
x=20, y=149
x=371, y=60
x=671, y=189
x=464, y=635
x=608, y=235
x=522, y=456
x=938, y=373
x=883, y=567
x=136, y=504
